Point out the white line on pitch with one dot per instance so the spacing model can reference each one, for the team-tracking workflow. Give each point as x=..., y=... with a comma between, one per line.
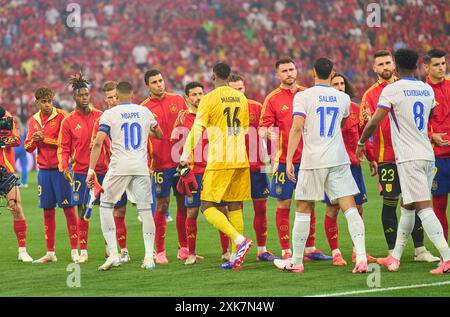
x=387, y=289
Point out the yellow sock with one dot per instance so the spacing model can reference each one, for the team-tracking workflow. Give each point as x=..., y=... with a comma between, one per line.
x=236, y=219
x=220, y=222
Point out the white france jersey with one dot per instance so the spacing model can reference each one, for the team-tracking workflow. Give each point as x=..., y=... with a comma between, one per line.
x=128, y=126
x=409, y=102
x=323, y=108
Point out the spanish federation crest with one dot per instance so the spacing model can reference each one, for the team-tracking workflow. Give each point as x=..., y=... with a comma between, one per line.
x=278, y=190
x=388, y=188
x=158, y=189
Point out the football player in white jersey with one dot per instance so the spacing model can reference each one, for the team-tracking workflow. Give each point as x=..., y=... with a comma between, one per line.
x=128, y=126
x=410, y=104
x=319, y=113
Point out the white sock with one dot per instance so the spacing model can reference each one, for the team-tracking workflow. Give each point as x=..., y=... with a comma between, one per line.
x=433, y=228
x=22, y=249
x=300, y=234
x=148, y=231
x=83, y=252
x=239, y=239
x=419, y=250
x=310, y=249
x=108, y=228
x=262, y=249
x=356, y=230
x=335, y=251
x=405, y=227
x=51, y=253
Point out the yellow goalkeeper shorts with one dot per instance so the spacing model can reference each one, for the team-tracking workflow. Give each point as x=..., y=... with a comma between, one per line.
x=228, y=185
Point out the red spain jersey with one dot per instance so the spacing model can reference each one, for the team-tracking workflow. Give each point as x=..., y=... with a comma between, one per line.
x=277, y=112
x=7, y=157
x=199, y=156
x=74, y=142
x=166, y=111
x=440, y=122
x=351, y=134
x=382, y=144
x=252, y=139
x=47, y=157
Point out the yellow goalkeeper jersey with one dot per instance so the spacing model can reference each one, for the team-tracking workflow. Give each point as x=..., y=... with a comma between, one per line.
x=224, y=114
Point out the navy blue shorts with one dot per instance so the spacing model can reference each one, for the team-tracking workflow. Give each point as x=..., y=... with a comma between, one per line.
x=80, y=191
x=260, y=185
x=441, y=182
x=360, y=198
x=53, y=189
x=164, y=180
x=282, y=187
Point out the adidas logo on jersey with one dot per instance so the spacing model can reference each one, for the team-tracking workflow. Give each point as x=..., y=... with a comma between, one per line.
x=284, y=108
x=78, y=127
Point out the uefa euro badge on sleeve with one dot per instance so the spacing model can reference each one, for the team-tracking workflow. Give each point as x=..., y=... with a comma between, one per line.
x=94, y=194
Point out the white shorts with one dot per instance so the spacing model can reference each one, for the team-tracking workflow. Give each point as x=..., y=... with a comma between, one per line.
x=336, y=182
x=137, y=187
x=416, y=179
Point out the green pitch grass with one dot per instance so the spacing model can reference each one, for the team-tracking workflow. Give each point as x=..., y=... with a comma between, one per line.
x=206, y=278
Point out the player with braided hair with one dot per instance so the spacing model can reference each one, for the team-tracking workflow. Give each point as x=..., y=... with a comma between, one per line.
x=74, y=143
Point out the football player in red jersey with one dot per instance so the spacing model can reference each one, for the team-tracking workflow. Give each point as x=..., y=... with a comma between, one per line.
x=165, y=107
x=258, y=177
x=276, y=116
x=436, y=68
x=43, y=131
x=74, y=143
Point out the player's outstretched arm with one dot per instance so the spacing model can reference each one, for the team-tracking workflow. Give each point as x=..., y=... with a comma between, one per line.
x=95, y=153
x=192, y=139
x=371, y=126
x=295, y=136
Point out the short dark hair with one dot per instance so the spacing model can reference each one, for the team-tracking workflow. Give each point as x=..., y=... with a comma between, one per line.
x=434, y=53
x=124, y=88
x=381, y=53
x=284, y=60
x=406, y=59
x=323, y=67
x=348, y=86
x=151, y=73
x=222, y=70
x=236, y=77
x=192, y=85
x=109, y=85
x=44, y=92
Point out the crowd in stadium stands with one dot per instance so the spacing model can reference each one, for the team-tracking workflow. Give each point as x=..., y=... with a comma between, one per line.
x=122, y=39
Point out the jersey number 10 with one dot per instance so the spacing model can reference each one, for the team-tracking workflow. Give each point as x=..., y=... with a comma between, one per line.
x=132, y=135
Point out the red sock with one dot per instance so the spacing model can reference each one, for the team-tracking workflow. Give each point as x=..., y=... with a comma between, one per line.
x=181, y=226
x=331, y=230
x=260, y=222
x=224, y=241
x=191, y=234
x=121, y=232
x=20, y=229
x=72, y=228
x=311, y=242
x=440, y=207
x=49, y=229
x=283, y=226
x=160, y=230
x=83, y=231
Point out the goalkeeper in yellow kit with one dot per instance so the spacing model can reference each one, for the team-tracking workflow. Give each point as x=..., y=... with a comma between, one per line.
x=224, y=114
